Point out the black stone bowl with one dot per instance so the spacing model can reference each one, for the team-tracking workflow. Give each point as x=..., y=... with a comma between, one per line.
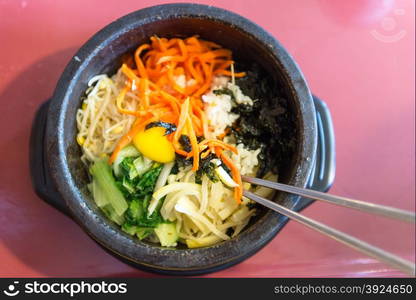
x=60, y=178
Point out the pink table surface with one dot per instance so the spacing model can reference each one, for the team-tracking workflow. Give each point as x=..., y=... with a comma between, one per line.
x=358, y=56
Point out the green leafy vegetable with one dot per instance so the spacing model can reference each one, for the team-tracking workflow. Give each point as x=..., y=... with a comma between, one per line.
x=102, y=174
x=128, y=185
x=128, y=151
x=128, y=169
x=138, y=191
x=125, y=199
x=142, y=165
x=112, y=215
x=100, y=197
x=136, y=215
x=134, y=212
x=129, y=228
x=139, y=186
x=166, y=232
x=147, y=182
x=143, y=232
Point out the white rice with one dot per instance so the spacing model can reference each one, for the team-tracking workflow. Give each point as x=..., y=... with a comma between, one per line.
x=219, y=115
x=246, y=160
x=182, y=82
x=218, y=112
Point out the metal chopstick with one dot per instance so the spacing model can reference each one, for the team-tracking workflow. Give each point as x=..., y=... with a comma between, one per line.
x=382, y=210
x=391, y=259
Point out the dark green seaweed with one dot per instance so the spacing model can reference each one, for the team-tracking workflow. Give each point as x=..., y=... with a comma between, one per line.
x=268, y=124
x=168, y=126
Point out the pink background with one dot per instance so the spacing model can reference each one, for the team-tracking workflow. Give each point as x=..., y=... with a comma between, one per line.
x=358, y=56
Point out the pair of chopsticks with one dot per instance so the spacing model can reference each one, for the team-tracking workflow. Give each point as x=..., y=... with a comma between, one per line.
x=370, y=250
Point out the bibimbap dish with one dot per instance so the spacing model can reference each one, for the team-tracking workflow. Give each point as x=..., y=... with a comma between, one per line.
x=168, y=136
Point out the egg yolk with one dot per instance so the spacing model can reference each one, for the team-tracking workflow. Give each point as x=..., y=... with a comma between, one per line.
x=154, y=144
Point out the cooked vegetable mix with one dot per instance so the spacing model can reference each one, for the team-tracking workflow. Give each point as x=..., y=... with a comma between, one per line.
x=167, y=139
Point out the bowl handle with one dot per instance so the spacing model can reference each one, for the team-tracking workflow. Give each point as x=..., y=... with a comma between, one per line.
x=41, y=179
x=323, y=174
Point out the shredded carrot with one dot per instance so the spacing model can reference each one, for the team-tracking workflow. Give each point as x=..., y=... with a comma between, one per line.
x=205, y=154
x=238, y=191
x=194, y=143
x=219, y=143
x=182, y=119
x=129, y=73
x=139, y=63
x=170, y=77
x=224, y=134
x=228, y=73
x=204, y=121
x=120, y=99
